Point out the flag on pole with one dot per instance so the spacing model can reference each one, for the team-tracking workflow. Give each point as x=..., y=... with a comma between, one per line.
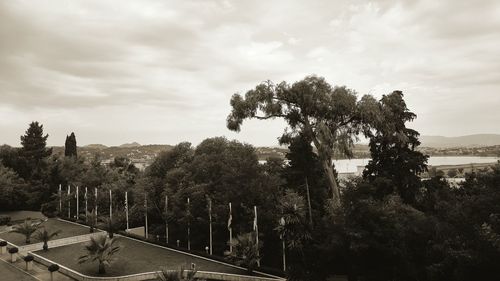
x=110, y=205
x=230, y=228
x=60, y=199
x=95, y=192
x=126, y=207
x=255, y=227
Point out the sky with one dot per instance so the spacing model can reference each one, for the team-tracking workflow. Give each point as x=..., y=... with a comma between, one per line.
x=162, y=72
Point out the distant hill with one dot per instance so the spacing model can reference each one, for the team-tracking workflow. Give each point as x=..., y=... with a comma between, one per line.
x=134, y=144
x=463, y=141
x=96, y=146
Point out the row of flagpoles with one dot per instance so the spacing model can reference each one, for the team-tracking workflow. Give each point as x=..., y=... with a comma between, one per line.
x=229, y=222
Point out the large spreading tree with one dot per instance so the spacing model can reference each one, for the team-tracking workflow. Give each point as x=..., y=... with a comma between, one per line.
x=331, y=117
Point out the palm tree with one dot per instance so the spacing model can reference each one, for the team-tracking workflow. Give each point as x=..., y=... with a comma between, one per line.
x=27, y=229
x=91, y=221
x=245, y=251
x=101, y=249
x=112, y=225
x=45, y=236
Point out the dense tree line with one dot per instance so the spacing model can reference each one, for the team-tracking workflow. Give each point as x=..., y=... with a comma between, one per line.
x=386, y=225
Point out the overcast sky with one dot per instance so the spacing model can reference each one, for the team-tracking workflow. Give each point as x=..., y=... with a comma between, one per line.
x=164, y=71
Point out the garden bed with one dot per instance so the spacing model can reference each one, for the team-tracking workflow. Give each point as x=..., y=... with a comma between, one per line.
x=135, y=257
x=68, y=230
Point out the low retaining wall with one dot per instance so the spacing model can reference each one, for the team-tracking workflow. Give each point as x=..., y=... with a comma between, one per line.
x=149, y=275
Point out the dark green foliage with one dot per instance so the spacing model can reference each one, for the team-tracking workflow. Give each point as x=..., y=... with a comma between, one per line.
x=13, y=250
x=53, y=267
x=330, y=117
x=393, y=149
x=34, y=151
x=28, y=258
x=70, y=147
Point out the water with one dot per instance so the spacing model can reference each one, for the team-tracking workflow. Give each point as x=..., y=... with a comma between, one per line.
x=351, y=165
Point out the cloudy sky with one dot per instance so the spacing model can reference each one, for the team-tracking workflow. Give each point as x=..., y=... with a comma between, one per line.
x=164, y=71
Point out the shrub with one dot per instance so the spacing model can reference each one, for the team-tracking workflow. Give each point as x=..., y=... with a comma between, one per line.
x=53, y=267
x=28, y=258
x=4, y=220
x=3, y=243
x=13, y=250
x=49, y=209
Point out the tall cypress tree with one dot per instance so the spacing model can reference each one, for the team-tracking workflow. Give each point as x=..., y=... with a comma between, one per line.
x=70, y=145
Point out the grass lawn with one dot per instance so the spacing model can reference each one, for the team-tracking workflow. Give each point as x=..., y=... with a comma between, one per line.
x=68, y=230
x=22, y=215
x=134, y=257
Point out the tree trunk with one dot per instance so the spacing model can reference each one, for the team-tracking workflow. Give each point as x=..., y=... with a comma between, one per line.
x=102, y=269
x=332, y=181
x=45, y=246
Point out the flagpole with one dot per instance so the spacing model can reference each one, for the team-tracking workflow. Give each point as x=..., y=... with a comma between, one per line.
x=230, y=226
x=146, y=215
x=282, y=236
x=166, y=218
x=256, y=228
x=60, y=200
x=126, y=207
x=95, y=189
x=86, y=206
x=210, y=221
x=110, y=205
x=77, y=205
x=189, y=226
x=69, y=202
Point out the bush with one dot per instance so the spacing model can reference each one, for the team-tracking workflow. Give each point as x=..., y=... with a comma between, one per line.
x=3, y=243
x=28, y=258
x=13, y=250
x=4, y=220
x=53, y=267
x=49, y=209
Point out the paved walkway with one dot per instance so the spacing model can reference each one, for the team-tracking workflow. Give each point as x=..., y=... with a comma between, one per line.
x=17, y=271
x=58, y=242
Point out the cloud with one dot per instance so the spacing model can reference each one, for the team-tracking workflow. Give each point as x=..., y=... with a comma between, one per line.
x=163, y=71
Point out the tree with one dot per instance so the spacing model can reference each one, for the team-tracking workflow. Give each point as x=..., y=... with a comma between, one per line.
x=70, y=148
x=12, y=189
x=34, y=149
x=45, y=236
x=331, y=117
x=245, y=251
x=27, y=229
x=101, y=249
x=393, y=148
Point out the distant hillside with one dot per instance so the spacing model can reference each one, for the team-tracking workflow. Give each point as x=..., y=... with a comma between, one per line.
x=134, y=144
x=463, y=141
x=142, y=152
